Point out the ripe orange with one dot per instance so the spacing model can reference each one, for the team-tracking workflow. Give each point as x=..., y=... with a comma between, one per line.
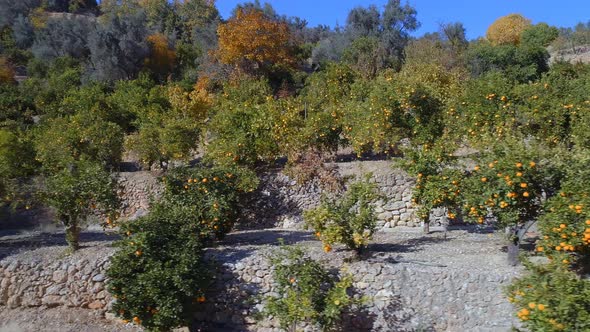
x=327, y=248
x=519, y=165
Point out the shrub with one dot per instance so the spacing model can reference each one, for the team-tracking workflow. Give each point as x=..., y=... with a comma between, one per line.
x=158, y=276
x=307, y=292
x=551, y=298
x=349, y=220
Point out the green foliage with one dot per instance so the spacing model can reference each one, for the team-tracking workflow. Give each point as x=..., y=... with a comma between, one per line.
x=158, y=276
x=383, y=111
x=242, y=125
x=63, y=141
x=552, y=298
x=510, y=181
x=521, y=64
x=169, y=120
x=208, y=197
x=16, y=110
x=438, y=180
x=16, y=164
x=349, y=220
x=539, y=35
x=566, y=224
x=77, y=192
x=307, y=292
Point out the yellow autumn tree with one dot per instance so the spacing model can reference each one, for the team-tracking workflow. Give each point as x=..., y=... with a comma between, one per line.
x=162, y=58
x=6, y=71
x=506, y=30
x=253, y=42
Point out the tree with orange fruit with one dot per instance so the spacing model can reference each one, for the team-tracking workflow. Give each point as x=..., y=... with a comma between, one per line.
x=510, y=184
x=349, y=220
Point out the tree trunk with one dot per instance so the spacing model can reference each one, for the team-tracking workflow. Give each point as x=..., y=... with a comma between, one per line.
x=426, y=227
x=517, y=233
x=73, y=236
x=513, y=251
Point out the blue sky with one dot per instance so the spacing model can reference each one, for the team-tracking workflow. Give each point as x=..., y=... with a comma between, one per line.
x=476, y=15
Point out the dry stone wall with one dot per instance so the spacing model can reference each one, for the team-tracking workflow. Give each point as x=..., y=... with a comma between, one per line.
x=137, y=189
x=398, y=296
x=67, y=282
x=280, y=200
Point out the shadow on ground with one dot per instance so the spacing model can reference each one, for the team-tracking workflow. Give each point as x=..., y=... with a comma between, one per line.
x=16, y=243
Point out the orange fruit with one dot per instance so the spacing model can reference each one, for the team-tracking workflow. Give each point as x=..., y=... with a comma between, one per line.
x=519, y=165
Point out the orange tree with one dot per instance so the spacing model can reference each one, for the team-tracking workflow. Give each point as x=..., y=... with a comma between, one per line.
x=78, y=191
x=382, y=112
x=551, y=297
x=242, y=125
x=511, y=182
x=307, y=292
x=255, y=43
x=438, y=179
x=566, y=225
x=170, y=122
x=208, y=195
x=158, y=276
x=350, y=220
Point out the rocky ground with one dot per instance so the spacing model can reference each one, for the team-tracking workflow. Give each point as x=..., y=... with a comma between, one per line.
x=466, y=248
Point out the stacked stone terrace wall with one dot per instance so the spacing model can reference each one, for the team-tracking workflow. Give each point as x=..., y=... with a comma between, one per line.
x=67, y=282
